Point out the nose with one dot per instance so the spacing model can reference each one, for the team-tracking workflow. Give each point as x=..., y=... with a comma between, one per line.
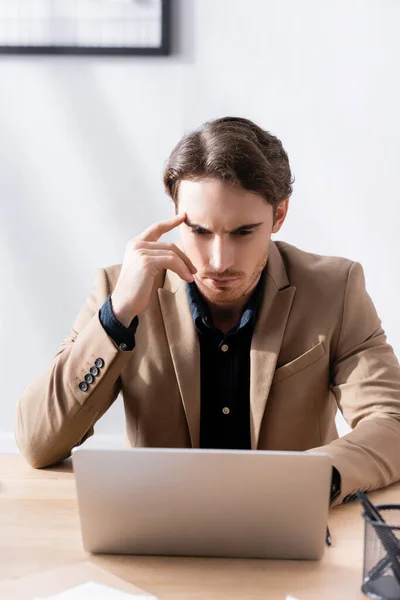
x=222, y=255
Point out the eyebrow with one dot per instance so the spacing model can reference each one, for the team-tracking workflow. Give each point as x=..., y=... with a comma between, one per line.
x=240, y=228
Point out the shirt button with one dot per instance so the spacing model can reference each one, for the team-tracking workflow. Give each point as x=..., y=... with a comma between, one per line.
x=123, y=346
x=99, y=362
x=224, y=347
x=94, y=371
x=226, y=410
x=89, y=378
x=83, y=386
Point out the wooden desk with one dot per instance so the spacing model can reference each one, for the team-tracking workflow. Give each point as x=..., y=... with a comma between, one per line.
x=39, y=530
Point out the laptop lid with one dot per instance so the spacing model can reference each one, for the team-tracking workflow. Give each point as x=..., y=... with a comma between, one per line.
x=193, y=502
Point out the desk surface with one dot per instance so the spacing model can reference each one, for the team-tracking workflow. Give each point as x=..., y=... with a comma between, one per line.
x=39, y=530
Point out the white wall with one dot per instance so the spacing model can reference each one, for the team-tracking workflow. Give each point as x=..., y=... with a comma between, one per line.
x=83, y=142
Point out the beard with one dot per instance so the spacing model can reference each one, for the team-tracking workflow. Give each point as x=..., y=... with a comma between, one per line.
x=232, y=294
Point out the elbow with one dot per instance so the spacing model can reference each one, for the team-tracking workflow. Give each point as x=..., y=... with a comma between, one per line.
x=38, y=457
x=38, y=452
x=36, y=461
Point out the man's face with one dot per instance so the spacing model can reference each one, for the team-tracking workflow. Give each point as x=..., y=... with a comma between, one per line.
x=226, y=236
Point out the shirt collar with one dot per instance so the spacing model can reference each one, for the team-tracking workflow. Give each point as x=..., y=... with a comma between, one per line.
x=201, y=313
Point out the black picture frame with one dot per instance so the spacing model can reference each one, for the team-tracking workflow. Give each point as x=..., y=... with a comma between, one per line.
x=164, y=49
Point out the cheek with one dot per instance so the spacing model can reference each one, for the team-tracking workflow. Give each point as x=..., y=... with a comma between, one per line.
x=254, y=254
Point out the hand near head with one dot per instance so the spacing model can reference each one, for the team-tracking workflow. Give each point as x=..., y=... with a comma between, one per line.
x=144, y=257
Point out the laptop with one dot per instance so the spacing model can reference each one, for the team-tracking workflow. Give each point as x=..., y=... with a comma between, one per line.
x=194, y=502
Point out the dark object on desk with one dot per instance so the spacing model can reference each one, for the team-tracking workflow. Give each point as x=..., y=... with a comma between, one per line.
x=328, y=537
x=335, y=491
x=336, y=484
x=381, y=578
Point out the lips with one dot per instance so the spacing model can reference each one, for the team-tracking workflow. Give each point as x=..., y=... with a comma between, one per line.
x=223, y=282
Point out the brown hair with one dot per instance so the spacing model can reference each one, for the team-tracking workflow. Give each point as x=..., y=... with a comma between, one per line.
x=233, y=150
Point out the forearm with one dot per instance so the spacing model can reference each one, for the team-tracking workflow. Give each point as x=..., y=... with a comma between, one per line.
x=58, y=410
x=367, y=458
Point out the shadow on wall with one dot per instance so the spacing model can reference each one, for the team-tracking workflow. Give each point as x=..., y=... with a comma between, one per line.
x=183, y=32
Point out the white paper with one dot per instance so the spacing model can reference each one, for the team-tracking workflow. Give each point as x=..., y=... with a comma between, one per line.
x=95, y=591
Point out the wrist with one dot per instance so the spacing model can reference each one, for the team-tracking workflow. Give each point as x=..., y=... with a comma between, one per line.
x=122, y=312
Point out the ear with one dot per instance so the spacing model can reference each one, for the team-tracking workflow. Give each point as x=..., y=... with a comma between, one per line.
x=280, y=215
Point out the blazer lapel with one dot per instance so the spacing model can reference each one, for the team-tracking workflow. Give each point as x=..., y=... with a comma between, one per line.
x=184, y=348
x=267, y=338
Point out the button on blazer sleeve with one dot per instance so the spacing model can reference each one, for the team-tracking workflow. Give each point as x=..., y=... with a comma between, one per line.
x=365, y=379
x=58, y=410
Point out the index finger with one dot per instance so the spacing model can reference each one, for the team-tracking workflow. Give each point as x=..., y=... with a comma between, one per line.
x=155, y=231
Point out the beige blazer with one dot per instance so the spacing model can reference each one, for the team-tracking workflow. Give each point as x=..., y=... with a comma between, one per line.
x=318, y=345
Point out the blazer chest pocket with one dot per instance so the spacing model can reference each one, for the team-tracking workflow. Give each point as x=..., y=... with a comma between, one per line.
x=300, y=363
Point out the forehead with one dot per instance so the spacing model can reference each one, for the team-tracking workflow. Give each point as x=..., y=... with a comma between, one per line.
x=211, y=198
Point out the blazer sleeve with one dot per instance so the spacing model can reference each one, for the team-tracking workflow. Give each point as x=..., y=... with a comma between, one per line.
x=57, y=411
x=365, y=379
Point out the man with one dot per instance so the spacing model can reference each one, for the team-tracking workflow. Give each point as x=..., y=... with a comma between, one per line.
x=230, y=340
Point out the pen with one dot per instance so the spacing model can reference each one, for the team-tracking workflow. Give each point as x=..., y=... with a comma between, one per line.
x=328, y=537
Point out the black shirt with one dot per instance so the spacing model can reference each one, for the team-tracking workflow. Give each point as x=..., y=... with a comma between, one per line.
x=225, y=373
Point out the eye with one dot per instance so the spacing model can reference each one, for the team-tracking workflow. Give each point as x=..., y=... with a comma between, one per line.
x=244, y=232
x=199, y=232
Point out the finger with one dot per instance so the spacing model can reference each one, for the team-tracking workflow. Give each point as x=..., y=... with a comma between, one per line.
x=174, y=248
x=155, y=231
x=160, y=252
x=173, y=263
